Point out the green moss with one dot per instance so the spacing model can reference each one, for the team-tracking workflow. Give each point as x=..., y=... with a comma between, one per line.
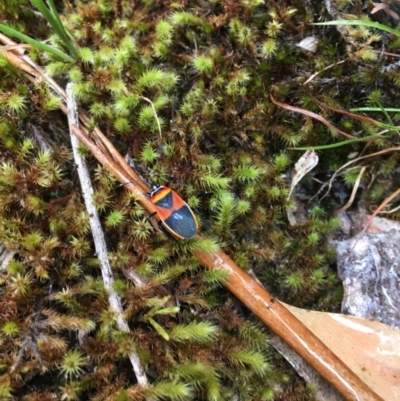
x=164, y=31
x=203, y=64
x=209, y=73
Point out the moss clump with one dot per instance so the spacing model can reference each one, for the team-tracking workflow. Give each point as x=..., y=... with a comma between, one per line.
x=209, y=71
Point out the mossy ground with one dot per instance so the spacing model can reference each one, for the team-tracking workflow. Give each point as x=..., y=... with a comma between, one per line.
x=209, y=67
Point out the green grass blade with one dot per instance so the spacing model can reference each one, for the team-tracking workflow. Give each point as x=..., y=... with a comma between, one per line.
x=366, y=23
x=160, y=330
x=72, y=49
x=336, y=145
x=54, y=20
x=44, y=11
x=385, y=112
x=388, y=109
x=12, y=32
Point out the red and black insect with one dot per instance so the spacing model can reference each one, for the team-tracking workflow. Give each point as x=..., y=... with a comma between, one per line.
x=175, y=214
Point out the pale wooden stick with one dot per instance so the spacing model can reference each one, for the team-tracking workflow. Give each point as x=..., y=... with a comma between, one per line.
x=98, y=235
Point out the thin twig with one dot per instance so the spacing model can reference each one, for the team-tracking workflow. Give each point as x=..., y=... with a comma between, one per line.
x=353, y=193
x=155, y=113
x=379, y=208
x=98, y=236
x=312, y=115
x=324, y=69
x=330, y=182
x=391, y=211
